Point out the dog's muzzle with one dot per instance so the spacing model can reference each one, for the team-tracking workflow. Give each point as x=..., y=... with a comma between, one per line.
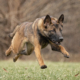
x=58, y=42
x=60, y=39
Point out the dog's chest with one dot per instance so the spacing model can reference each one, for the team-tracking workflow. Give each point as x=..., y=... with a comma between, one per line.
x=43, y=41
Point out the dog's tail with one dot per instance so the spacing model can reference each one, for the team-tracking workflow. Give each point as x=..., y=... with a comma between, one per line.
x=15, y=30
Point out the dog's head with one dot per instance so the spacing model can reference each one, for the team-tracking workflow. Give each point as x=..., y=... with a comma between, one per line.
x=52, y=28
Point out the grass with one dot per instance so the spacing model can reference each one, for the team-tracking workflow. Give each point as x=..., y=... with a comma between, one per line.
x=31, y=71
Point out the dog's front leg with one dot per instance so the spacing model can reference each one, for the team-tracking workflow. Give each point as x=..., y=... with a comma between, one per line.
x=60, y=49
x=64, y=52
x=37, y=50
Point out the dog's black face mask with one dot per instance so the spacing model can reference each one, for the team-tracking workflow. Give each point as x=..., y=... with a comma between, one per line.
x=53, y=29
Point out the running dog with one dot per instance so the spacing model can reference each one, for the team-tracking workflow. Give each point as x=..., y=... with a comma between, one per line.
x=37, y=35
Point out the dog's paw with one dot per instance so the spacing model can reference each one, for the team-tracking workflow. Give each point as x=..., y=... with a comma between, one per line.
x=67, y=56
x=43, y=67
x=7, y=53
x=14, y=60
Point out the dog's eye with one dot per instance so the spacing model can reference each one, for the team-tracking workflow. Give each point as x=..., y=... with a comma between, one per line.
x=45, y=27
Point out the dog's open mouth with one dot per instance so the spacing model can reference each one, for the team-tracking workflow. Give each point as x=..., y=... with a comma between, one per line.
x=58, y=43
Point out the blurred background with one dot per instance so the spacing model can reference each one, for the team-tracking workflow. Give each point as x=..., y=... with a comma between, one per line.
x=14, y=12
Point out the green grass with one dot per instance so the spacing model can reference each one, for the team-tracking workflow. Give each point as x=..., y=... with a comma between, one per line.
x=31, y=71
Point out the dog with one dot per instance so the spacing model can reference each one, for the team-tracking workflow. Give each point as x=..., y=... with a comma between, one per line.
x=37, y=35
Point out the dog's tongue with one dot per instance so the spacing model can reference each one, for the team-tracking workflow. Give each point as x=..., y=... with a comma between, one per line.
x=59, y=43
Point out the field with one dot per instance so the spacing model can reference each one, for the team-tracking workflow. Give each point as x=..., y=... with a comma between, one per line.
x=30, y=70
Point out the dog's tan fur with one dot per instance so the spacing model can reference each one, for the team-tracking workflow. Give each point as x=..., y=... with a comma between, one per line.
x=26, y=33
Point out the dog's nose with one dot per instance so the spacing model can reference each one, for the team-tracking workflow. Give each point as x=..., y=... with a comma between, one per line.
x=61, y=39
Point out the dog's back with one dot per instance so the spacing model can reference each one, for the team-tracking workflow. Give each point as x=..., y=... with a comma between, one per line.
x=20, y=37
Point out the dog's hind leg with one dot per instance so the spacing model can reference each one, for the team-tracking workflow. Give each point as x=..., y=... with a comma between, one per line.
x=16, y=57
x=21, y=51
x=27, y=51
x=8, y=52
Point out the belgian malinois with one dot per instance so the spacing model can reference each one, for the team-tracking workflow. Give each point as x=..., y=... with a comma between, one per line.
x=37, y=35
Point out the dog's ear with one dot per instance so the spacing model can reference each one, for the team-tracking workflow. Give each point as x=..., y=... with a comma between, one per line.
x=47, y=19
x=61, y=18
